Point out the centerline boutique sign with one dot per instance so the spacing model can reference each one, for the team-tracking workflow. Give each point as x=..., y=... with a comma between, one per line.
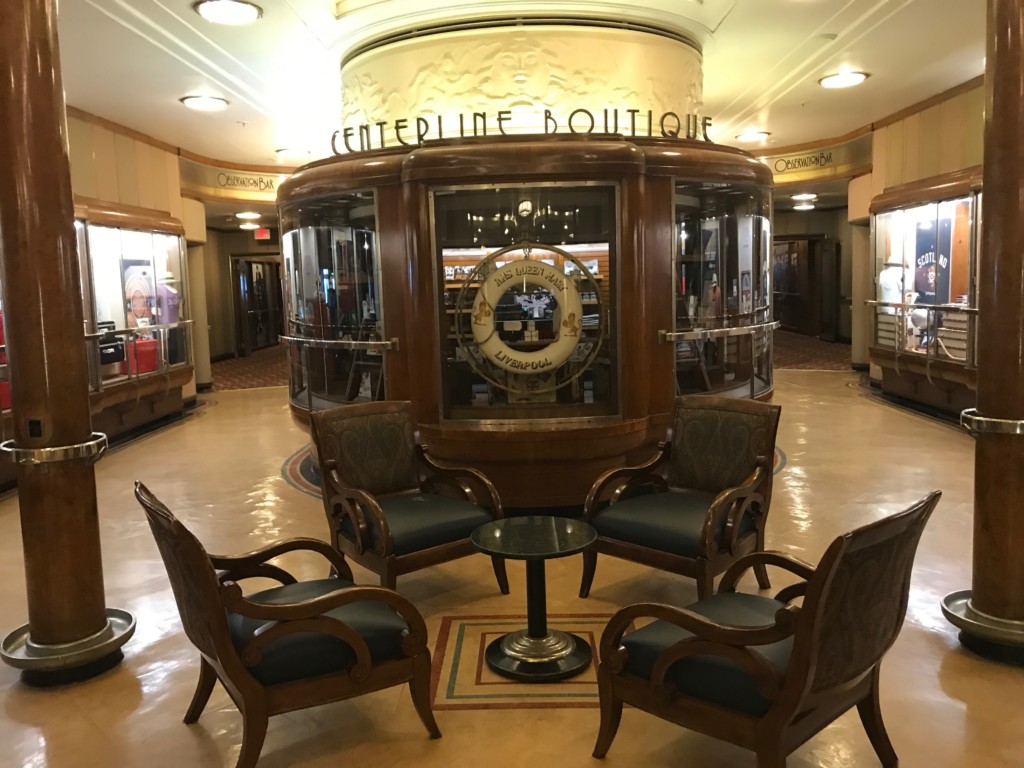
x=504, y=122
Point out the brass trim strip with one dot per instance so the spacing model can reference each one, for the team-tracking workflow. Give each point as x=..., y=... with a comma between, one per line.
x=977, y=424
x=91, y=449
x=391, y=345
x=704, y=334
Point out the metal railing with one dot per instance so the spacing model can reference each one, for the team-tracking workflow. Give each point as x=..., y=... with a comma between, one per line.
x=917, y=332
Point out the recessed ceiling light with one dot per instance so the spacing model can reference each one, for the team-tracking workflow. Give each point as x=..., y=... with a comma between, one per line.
x=247, y=215
x=843, y=79
x=752, y=136
x=232, y=12
x=249, y=225
x=805, y=196
x=204, y=103
x=801, y=207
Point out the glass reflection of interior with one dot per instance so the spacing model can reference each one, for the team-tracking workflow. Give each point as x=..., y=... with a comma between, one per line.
x=723, y=285
x=136, y=286
x=578, y=220
x=923, y=259
x=330, y=255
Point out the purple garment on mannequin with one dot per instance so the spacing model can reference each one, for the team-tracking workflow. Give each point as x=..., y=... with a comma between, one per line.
x=167, y=301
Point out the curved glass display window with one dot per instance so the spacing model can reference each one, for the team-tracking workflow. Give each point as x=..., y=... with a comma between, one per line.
x=139, y=322
x=527, y=300
x=332, y=301
x=723, y=314
x=924, y=266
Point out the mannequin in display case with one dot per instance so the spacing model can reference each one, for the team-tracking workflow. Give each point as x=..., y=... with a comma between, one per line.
x=167, y=311
x=890, y=286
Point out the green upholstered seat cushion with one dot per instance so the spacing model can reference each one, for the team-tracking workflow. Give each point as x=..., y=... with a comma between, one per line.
x=669, y=521
x=309, y=654
x=418, y=521
x=712, y=678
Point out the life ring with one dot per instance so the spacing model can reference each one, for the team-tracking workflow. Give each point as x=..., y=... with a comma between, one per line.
x=570, y=315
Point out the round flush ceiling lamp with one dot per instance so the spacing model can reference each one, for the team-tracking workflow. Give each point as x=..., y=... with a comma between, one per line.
x=204, y=103
x=249, y=225
x=247, y=215
x=232, y=12
x=749, y=137
x=843, y=79
x=804, y=207
x=805, y=197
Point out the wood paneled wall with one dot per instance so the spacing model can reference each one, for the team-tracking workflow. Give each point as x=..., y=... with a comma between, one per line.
x=938, y=138
x=118, y=168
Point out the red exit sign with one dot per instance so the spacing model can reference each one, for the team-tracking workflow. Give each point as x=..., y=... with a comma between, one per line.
x=262, y=233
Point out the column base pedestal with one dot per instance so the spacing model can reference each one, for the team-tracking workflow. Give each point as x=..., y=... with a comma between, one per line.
x=997, y=639
x=68, y=662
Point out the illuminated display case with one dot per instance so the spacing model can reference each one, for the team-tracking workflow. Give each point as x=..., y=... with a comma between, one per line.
x=542, y=342
x=723, y=311
x=135, y=303
x=137, y=328
x=926, y=254
x=332, y=299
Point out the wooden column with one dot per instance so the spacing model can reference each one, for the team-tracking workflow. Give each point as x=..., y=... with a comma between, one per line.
x=991, y=614
x=42, y=307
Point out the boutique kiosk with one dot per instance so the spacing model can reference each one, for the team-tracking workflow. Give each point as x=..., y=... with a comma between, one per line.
x=540, y=299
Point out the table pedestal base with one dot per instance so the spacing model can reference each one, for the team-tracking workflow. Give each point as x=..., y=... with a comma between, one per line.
x=555, y=656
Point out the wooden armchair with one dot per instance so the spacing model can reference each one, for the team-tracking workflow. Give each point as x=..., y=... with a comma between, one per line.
x=298, y=645
x=700, y=503
x=390, y=507
x=763, y=673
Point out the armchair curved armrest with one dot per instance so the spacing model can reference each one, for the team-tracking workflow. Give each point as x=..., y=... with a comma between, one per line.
x=765, y=673
x=252, y=651
x=778, y=559
x=253, y=564
x=471, y=484
x=357, y=505
x=701, y=626
x=622, y=479
x=305, y=610
x=731, y=504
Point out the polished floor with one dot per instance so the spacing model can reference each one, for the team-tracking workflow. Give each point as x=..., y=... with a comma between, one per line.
x=849, y=459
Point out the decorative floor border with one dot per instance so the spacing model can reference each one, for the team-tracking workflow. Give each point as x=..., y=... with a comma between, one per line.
x=461, y=678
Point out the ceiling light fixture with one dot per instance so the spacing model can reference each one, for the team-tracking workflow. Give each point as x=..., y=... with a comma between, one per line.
x=843, y=79
x=805, y=196
x=752, y=136
x=249, y=225
x=801, y=207
x=231, y=12
x=204, y=103
x=247, y=215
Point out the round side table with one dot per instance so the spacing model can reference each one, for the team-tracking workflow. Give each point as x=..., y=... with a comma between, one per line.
x=536, y=654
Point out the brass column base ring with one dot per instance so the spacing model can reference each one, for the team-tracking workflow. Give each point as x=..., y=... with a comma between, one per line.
x=989, y=636
x=556, y=656
x=553, y=646
x=62, y=663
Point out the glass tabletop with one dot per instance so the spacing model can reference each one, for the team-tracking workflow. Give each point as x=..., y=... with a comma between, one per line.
x=534, y=537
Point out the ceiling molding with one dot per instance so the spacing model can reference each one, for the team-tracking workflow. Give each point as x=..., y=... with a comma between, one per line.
x=816, y=144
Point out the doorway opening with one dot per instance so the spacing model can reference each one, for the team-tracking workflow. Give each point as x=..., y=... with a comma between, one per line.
x=258, y=302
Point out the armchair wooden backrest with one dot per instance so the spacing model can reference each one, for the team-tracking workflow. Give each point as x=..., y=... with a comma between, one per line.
x=192, y=576
x=716, y=441
x=856, y=600
x=372, y=445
